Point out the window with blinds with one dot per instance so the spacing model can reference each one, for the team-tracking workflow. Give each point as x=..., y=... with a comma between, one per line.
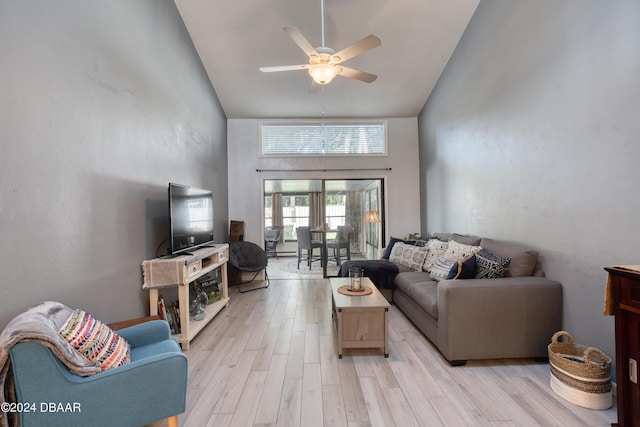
x=323, y=139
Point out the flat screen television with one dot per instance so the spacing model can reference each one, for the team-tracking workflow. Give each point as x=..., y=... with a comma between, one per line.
x=190, y=216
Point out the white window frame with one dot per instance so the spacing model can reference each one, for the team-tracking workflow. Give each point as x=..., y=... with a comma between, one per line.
x=316, y=123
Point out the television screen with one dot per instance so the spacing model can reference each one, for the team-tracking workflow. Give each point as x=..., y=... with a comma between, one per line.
x=190, y=216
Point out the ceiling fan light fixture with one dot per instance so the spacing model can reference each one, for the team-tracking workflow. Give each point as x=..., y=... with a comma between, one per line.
x=323, y=61
x=322, y=73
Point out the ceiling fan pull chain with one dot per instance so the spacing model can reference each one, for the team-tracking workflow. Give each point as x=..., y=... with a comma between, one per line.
x=322, y=19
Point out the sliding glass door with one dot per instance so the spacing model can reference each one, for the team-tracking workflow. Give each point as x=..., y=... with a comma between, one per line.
x=356, y=204
x=292, y=203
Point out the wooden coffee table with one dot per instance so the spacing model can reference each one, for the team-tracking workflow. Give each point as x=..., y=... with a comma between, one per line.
x=360, y=320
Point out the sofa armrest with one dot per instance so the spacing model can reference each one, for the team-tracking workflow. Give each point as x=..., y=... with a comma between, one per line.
x=498, y=318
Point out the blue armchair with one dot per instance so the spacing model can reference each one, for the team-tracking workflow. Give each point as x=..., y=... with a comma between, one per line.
x=150, y=388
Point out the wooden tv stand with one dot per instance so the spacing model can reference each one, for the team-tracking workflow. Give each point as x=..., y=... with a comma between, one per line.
x=180, y=271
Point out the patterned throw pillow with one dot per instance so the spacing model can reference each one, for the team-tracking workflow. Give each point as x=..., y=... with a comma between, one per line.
x=394, y=240
x=490, y=266
x=408, y=255
x=441, y=269
x=456, y=251
x=389, y=247
x=436, y=248
x=95, y=341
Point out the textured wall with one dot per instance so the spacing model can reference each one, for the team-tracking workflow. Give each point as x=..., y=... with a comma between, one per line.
x=101, y=105
x=402, y=201
x=532, y=135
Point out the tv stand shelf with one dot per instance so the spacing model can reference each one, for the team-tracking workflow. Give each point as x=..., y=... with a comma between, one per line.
x=180, y=271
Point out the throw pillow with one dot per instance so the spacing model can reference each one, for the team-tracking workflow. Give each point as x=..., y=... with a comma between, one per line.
x=95, y=341
x=408, y=255
x=523, y=258
x=491, y=266
x=464, y=269
x=393, y=241
x=441, y=269
x=456, y=251
x=435, y=249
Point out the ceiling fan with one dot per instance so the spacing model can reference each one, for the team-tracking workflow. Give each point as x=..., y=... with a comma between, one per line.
x=324, y=62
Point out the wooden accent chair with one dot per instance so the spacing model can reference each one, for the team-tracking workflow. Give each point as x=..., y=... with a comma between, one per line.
x=236, y=231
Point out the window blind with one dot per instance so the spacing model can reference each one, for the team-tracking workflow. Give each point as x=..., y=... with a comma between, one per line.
x=319, y=139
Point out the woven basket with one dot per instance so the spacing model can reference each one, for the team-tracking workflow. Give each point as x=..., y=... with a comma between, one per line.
x=580, y=374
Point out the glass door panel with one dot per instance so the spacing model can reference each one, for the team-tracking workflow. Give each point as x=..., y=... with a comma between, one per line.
x=347, y=203
x=334, y=203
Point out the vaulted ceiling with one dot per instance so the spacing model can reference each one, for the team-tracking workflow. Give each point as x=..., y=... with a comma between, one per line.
x=235, y=38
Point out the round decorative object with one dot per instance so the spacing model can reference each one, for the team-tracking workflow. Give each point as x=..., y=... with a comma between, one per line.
x=365, y=290
x=196, y=310
x=203, y=298
x=197, y=302
x=199, y=313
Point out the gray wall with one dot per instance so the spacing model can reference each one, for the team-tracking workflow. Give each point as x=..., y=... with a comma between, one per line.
x=402, y=188
x=102, y=104
x=532, y=136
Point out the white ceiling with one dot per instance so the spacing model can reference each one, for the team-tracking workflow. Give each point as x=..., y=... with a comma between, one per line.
x=234, y=38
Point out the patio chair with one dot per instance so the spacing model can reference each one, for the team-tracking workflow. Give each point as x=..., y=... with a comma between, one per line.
x=306, y=243
x=342, y=241
x=272, y=236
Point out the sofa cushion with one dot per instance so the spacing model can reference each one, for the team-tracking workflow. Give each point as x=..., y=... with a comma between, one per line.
x=422, y=290
x=523, y=259
x=403, y=268
x=466, y=240
x=464, y=268
x=411, y=256
x=425, y=295
x=490, y=266
x=435, y=249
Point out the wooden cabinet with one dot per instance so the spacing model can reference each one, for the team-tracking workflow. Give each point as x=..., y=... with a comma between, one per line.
x=360, y=321
x=624, y=292
x=180, y=271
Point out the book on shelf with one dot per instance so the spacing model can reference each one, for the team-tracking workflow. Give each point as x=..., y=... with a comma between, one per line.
x=214, y=298
x=171, y=314
x=162, y=311
x=175, y=311
x=170, y=321
x=210, y=287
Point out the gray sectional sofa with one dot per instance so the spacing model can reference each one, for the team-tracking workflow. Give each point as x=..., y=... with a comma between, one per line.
x=513, y=316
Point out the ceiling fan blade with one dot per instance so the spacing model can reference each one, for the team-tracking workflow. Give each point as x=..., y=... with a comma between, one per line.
x=284, y=68
x=357, y=48
x=300, y=40
x=356, y=74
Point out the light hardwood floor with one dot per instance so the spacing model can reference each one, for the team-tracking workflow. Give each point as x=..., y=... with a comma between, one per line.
x=269, y=359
